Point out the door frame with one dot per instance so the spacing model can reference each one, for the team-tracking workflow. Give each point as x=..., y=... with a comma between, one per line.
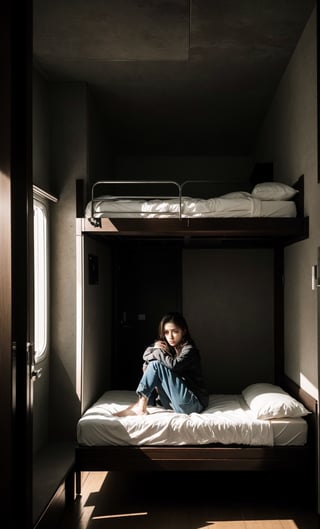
x=16, y=327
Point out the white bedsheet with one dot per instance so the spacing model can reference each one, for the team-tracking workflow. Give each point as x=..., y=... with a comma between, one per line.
x=191, y=208
x=227, y=420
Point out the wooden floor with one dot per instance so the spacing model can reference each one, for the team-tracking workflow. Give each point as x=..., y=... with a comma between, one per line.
x=170, y=500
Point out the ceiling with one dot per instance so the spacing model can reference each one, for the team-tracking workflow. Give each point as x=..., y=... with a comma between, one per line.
x=173, y=76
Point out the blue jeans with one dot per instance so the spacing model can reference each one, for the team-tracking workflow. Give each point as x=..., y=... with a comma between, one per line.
x=172, y=390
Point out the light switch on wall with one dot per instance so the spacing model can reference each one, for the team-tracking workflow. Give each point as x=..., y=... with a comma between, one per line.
x=314, y=277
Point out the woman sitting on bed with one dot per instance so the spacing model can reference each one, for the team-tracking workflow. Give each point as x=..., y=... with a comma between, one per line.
x=172, y=369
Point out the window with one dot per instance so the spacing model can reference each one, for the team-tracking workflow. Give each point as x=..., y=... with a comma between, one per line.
x=41, y=290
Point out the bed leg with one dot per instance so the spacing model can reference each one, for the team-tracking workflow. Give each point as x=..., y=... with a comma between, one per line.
x=78, y=482
x=69, y=487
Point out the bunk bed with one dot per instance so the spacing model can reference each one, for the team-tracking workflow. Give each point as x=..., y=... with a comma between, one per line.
x=271, y=212
x=273, y=220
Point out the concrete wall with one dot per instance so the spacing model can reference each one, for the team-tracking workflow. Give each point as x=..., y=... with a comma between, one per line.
x=289, y=138
x=220, y=169
x=97, y=321
x=68, y=103
x=228, y=303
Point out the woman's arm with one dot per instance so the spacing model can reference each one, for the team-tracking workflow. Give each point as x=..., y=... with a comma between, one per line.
x=177, y=363
x=158, y=351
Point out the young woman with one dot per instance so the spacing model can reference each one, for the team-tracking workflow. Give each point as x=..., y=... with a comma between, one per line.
x=172, y=369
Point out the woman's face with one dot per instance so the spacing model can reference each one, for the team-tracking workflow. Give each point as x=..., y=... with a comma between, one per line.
x=173, y=334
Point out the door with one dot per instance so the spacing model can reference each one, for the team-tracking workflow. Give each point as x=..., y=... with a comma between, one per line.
x=147, y=285
x=15, y=264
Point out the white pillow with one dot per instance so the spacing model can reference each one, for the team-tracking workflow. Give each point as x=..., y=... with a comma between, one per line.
x=273, y=191
x=268, y=401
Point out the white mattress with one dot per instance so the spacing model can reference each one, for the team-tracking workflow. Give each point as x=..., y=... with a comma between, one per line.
x=227, y=420
x=191, y=208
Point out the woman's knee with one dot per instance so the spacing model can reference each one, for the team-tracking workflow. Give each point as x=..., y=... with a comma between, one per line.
x=161, y=369
x=155, y=364
x=165, y=374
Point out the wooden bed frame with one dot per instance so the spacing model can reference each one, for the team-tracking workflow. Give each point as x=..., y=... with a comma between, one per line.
x=263, y=230
x=300, y=459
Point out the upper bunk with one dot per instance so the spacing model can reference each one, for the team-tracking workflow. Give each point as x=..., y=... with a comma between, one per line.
x=270, y=214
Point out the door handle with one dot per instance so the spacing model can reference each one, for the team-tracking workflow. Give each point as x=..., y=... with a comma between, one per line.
x=35, y=374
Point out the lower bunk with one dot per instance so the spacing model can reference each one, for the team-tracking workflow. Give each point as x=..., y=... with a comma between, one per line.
x=262, y=429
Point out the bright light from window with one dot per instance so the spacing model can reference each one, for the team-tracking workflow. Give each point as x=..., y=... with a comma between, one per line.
x=40, y=279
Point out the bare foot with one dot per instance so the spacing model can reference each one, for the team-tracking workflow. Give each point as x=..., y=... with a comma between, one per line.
x=134, y=409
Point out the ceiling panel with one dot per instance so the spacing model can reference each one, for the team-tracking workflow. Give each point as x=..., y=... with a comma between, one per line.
x=173, y=76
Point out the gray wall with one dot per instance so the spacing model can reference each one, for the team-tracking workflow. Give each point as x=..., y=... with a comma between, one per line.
x=100, y=159
x=41, y=134
x=228, y=302
x=68, y=162
x=289, y=138
x=236, y=169
x=97, y=322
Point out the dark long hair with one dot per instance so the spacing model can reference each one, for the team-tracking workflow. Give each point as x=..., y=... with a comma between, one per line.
x=179, y=321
